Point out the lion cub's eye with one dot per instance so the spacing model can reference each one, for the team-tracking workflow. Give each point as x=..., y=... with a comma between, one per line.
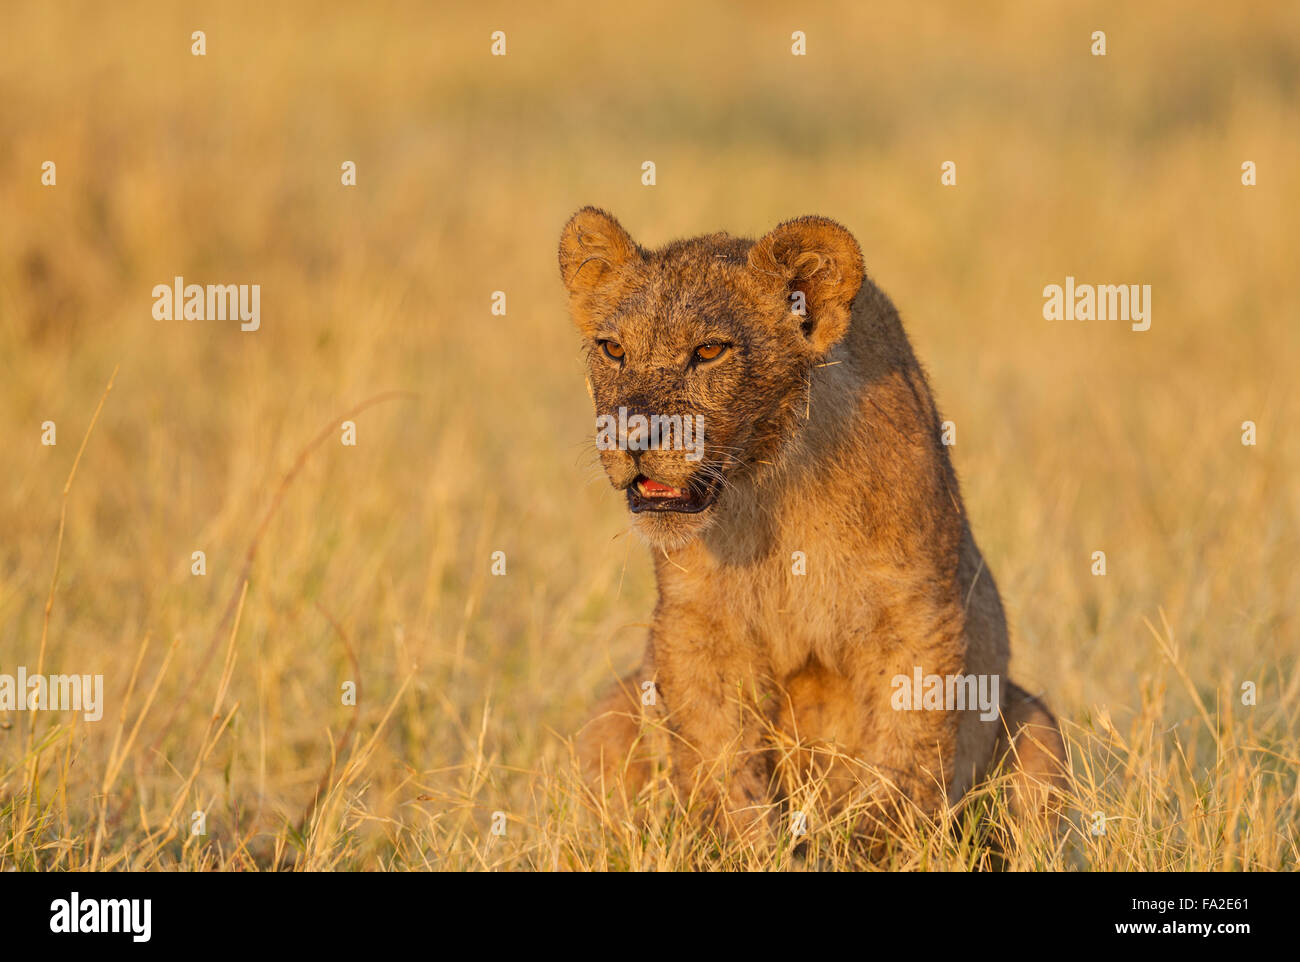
x=710, y=352
x=613, y=350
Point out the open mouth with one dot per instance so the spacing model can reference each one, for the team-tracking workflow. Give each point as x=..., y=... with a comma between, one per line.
x=647, y=494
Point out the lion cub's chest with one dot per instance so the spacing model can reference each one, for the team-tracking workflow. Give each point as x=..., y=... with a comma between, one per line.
x=787, y=611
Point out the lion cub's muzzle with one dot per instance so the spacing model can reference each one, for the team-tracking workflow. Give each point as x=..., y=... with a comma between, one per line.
x=647, y=494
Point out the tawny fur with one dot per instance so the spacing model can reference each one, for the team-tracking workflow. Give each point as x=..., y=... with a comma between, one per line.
x=823, y=430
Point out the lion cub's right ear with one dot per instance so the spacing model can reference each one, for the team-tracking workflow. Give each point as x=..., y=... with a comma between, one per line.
x=594, y=248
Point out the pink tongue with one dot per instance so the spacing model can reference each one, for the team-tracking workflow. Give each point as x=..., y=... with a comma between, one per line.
x=654, y=487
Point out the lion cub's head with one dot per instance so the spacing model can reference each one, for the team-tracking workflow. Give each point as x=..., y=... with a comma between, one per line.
x=700, y=354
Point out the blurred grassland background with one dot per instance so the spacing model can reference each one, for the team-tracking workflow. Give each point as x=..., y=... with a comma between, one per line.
x=1072, y=436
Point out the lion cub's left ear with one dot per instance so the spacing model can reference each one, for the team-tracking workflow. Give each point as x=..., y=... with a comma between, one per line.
x=821, y=259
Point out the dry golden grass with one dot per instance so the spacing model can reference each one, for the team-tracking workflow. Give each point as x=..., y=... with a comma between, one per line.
x=223, y=691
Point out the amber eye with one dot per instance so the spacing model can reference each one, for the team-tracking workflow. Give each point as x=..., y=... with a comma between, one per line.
x=710, y=352
x=613, y=350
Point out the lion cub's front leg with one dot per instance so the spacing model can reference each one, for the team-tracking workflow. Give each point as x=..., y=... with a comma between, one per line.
x=720, y=767
x=713, y=700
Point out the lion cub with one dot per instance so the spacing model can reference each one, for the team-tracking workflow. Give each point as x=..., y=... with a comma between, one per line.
x=813, y=557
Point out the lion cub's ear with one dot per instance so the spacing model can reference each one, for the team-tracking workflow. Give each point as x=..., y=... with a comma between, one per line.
x=817, y=256
x=593, y=249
